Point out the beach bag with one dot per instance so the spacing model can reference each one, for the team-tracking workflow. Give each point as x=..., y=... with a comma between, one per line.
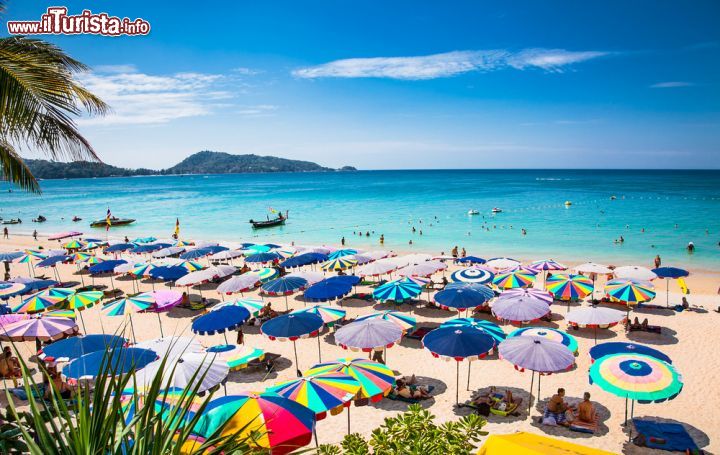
x=550, y=421
x=483, y=409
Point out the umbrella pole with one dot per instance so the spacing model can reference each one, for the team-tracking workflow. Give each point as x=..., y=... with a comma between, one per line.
x=112, y=282
x=316, y=438
x=82, y=322
x=632, y=411
x=132, y=329
x=225, y=336
x=468, y=382
x=626, y=411
x=295, y=350
x=457, y=383
x=286, y=303
x=538, y=393
x=160, y=322
x=348, y=413
x=667, y=292
x=319, y=354
x=532, y=382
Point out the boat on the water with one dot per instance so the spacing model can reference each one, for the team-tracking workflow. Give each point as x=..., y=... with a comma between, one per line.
x=39, y=219
x=114, y=221
x=12, y=221
x=496, y=210
x=280, y=220
x=473, y=212
x=568, y=203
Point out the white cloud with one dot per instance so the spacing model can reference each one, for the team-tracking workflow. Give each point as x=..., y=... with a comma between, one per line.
x=672, y=84
x=138, y=98
x=259, y=110
x=246, y=71
x=126, y=68
x=447, y=64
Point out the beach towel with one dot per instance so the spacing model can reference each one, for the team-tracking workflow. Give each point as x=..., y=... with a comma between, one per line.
x=664, y=436
x=558, y=417
x=585, y=427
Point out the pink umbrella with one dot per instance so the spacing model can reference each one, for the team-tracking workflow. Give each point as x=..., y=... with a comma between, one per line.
x=7, y=319
x=43, y=329
x=64, y=235
x=164, y=301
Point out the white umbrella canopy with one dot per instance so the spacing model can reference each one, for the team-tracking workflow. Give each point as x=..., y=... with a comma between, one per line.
x=368, y=334
x=635, y=272
x=409, y=259
x=502, y=263
x=376, y=268
x=239, y=283
x=205, y=244
x=226, y=254
x=360, y=258
x=422, y=269
x=125, y=268
x=377, y=254
x=208, y=369
x=172, y=346
x=169, y=251
x=315, y=249
x=208, y=274
x=591, y=267
x=594, y=316
x=309, y=276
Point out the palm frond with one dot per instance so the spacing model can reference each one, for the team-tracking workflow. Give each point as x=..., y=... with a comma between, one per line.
x=15, y=170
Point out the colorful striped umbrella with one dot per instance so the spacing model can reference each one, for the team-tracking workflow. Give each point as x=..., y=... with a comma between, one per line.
x=550, y=334
x=376, y=380
x=341, y=253
x=619, y=347
x=74, y=245
x=488, y=327
x=636, y=377
x=514, y=279
x=264, y=420
x=40, y=301
x=80, y=257
x=397, y=291
x=546, y=264
x=43, y=329
x=60, y=314
x=284, y=285
x=529, y=293
x=568, y=286
x=338, y=264
x=472, y=275
x=264, y=274
x=630, y=291
x=251, y=304
x=368, y=335
x=329, y=314
x=402, y=320
x=190, y=266
x=236, y=356
x=81, y=300
x=128, y=305
x=321, y=393
x=142, y=270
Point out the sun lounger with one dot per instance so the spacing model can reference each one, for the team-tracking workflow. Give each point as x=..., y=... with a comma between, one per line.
x=664, y=436
x=268, y=363
x=418, y=333
x=361, y=296
x=396, y=397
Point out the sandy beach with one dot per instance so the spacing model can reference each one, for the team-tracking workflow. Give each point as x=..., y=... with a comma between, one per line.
x=688, y=338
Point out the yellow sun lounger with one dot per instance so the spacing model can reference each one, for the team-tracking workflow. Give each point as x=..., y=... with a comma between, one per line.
x=528, y=443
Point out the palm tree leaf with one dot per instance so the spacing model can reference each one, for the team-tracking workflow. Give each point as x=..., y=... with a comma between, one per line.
x=14, y=168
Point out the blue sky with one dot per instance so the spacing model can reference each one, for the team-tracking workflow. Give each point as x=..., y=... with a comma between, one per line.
x=408, y=84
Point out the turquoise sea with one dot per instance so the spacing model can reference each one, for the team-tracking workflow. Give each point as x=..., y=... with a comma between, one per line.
x=673, y=208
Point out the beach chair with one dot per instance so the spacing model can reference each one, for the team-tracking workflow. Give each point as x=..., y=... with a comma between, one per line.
x=267, y=363
x=395, y=397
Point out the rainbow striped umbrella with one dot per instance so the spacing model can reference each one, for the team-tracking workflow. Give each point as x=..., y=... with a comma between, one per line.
x=40, y=301
x=142, y=270
x=376, y=380
x=340, y=263
x=568, y=286
x=321, y=393
x=636, y=377
x=546, y=264
x=38, y=329
x=265, y=420
x=237, y=356
x=74, y=245
x=630, y=291
x=128, y=305
x=514, y=279
x=264, y=274
x=190, y=266
x=94, y=245
x=82, y=300
x=402, y=320
x=397, y=290
x=550, y=334
x=60, y=314
x=329, y=314
x=8, y=289
x=472, y=275
x=253, y=305
x=342, y=253
x=92, y=260
x=80, y=257
x=488, y=327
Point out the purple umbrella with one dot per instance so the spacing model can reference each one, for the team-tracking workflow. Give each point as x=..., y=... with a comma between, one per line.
x=43, y=329
x=532, y=293
x=520, y=309
x=537, y=354
x=368, y=335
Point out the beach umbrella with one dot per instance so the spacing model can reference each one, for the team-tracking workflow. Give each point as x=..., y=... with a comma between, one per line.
x=166, y=299
x=80, y=301
x=595, y=317
x=546, y=264
x=397, y=291
x=10, y=256
x=168, y=251
x=341, y=253
x=311, y=277
x=262, y=258
x=361, y=258
x=629, y=291
x=634, y=272
x=284, y=286
x=251, y=304
x=377, y=254
x=128, y=306
x=667, y=274
x=528, y=293
x=141, y=270
x=119, y=361
x=144, y=240
x=458, y=343
x=64, y=235
x=200, y=371
x=74, y=245
x=320, y=393
x=120, y=247
x=106, y=266
x=227, y=318
x=329, y=314
x=206, y=275
x=239, y=283
x=536, y=354
x=92, y=244
x=284, y=251
x=636, y=377
x=226, y=254
x=471, y=260
x=7, y=319
x=515, y=279
x=550, y=334
x=325, y=291
x=197, y=253
x=80, y=256
x=593, y=269
x=171, y=347
x=352, y=280
x=42, y=300
x=472, y=275
x=567, y=286
x=463, y=298
x=168, y=272
x=338, y=264
x=423, y=269
x=236, y=356
x=60, y=314
x=37, y=285
x=521, y=310
x=53, y=261
x=492, y=329
x=376, y=268
x=368, y=335
x=376, y=380
x=149, y=248
x=43, y=329
x=502, y=263
x=619, y=347
x=190, y=266
x=265, y=420
x=256, y=248
x=293, y=327
x=303, y=259
x=405, y=322
x=72, y=348
x=264, y=274
x=8, y=290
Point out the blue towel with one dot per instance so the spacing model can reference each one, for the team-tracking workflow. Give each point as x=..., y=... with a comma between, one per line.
x=665, y=436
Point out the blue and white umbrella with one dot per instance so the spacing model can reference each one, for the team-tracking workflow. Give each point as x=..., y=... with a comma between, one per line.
x=325, y=291
x=397, y=291
x=472, y=275
x=463, y=298
x=118, y=361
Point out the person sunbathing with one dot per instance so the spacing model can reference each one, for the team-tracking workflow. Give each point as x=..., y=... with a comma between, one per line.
x=58, y=384
x=416, y=393
x=556, y=408
x=586, y=410
x=9, y=364
x=267, y=312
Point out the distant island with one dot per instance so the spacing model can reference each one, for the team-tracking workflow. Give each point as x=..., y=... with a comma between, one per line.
x=205, y=162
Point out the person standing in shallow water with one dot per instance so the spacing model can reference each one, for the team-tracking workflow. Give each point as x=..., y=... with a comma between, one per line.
x=658, y=261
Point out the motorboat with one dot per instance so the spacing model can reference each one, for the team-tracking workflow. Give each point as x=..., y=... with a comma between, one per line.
x=473, y=212
x=496, y=210
x=114, y=221
x=280, y=220
x=568, y=203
